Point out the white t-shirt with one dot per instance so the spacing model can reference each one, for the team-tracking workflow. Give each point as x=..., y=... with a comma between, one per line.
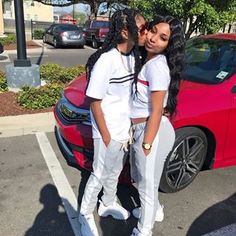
x=154, y=76
x=111, y=80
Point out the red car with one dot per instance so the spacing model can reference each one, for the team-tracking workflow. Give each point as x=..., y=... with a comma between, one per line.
x=205, y=122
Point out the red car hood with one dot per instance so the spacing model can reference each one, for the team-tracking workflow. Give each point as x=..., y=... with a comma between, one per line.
x=75, y=92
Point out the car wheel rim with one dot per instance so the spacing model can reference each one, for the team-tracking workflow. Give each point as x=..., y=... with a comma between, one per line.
x=55, y=43
x=185, y=161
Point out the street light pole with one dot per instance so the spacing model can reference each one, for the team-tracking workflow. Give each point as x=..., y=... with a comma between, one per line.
x=73, y=13
x=22, y=60
x=21, y=73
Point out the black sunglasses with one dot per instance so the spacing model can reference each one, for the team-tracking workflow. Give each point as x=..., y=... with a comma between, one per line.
x=143, y=28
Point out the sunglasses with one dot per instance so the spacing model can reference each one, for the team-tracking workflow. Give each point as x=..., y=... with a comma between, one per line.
x=143, y=28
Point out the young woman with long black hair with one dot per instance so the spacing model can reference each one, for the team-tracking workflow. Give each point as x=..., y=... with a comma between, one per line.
x=155, y=91
x=110, y=72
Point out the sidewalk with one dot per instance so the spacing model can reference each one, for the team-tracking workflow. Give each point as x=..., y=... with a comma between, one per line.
x=26, y=124
x=41, y=48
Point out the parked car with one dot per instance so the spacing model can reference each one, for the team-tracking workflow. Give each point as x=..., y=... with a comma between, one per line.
x=1, y=48
x=95, y=32
x=204, y=124
x=64, y=35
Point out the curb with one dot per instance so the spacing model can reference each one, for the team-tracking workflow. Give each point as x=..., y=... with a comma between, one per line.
x=11, y=126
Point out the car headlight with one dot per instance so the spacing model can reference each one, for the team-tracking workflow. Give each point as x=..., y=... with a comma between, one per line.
x=72, y=113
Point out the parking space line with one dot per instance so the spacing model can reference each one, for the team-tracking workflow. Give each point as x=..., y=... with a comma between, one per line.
x=36, y=56
x=62, y=184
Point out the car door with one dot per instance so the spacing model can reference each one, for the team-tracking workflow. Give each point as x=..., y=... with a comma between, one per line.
x=87, y=30
x=230, y=146
x=48, y=35
x=228, y=65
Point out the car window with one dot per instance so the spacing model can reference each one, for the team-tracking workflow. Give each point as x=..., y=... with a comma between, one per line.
x=68, y=27
x=49, y=30
x=100, y=24
x=209, y=60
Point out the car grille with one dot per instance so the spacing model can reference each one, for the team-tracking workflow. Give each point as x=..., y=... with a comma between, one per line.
x=69, y=114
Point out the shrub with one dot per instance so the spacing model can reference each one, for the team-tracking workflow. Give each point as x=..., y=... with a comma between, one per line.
x=55, y=73
x=68, y=74
x=3, y=82
x=38, y=33
x=11, y=38
x=56, y=78
x=50, y=72
x=42, y=97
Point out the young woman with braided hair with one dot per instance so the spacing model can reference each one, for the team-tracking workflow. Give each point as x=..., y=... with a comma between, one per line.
x=111, y=71
x=155, y=91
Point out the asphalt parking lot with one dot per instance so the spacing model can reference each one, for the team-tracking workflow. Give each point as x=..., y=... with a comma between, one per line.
x=66, y=57
x=38, y=196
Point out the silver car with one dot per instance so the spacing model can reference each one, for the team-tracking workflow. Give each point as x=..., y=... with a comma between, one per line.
x=64, y=35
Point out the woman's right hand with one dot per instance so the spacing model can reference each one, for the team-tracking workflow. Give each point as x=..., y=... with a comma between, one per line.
x=106, y=139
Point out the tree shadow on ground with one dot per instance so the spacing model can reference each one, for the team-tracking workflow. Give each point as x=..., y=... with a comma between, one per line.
x=215, y=217
x=52, y=220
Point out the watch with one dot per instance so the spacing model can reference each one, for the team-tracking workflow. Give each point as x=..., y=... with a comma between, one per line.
x=147, y=146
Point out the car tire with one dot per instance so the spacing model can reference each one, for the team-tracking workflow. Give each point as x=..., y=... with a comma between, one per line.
x=55, y=44
x=185, y=159
x=94, y=43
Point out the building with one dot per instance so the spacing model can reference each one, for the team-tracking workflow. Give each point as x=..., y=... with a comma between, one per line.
x=32, y=11
x=1, y=20
x=67, y=18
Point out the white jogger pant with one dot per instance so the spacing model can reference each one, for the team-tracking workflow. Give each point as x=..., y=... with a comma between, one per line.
x=147, y=170
x=107, y=165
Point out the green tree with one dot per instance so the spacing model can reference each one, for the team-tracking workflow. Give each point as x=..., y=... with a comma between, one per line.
x=207, y=16
x=80, y=17
x=94, y=4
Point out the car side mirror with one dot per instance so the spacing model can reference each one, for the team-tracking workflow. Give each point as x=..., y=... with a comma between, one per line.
x=1, y=48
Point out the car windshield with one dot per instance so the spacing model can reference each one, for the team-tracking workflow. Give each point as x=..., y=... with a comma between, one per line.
x=209, y=60
x=67, y=27
x=100, y=24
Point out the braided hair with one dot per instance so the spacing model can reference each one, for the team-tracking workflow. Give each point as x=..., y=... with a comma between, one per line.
x=174, y=54
x=121, y=19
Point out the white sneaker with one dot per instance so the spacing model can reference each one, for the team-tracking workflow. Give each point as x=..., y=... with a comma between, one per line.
x=88, y=226
x=159, y=215
x=115, y=210
x=136, y=232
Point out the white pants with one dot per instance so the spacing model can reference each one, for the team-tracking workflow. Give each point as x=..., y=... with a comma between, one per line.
x=147, y=170
x=107, y=165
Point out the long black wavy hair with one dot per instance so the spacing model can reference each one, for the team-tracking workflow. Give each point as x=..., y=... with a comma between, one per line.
x=121, y=19
x=175, y=57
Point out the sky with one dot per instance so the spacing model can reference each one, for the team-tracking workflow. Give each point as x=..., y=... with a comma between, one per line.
x=78, y=7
